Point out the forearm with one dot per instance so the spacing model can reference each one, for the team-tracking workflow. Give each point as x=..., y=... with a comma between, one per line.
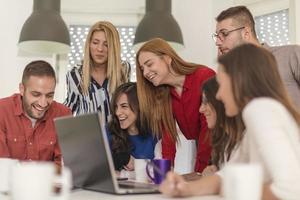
x=168, y=148
x=267, y=194
x=57, y=156
x=207, y=185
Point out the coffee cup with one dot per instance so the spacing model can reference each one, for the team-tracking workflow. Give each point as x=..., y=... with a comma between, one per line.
x=157, y=169
x=140, y=170
x=37, y=180
x=242, y=181
x=6, y=165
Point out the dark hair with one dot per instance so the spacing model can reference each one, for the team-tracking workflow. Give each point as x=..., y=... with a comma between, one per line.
x=254, y=72
x=38, y=68
x=241, y=15
x=120, y=142
x=222, y=142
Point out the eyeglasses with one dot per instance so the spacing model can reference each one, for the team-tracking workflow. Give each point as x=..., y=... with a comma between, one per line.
x=223, y=34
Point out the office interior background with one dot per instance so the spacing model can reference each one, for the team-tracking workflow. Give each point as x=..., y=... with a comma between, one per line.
x=277, y=23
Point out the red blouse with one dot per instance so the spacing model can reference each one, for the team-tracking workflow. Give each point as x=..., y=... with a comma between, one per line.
x=191, y=122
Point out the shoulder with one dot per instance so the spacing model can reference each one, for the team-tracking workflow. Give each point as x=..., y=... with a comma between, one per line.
x=263, y=108
x=204, y=70
x=60, y=109
x=285, y=49
x=75, y=71
x=8, y=102
x=202, y=73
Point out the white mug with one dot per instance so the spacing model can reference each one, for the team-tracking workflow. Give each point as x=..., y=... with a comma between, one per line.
x=36, y=181
x=6, y=165
x=140, y=170
x=242, y=181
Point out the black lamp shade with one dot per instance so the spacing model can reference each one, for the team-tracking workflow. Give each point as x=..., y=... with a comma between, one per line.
x=158, y=22
x=45, y=32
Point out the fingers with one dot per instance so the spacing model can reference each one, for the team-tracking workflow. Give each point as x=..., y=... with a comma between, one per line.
x=128, y=168
x=170, y=185
x=209, y=170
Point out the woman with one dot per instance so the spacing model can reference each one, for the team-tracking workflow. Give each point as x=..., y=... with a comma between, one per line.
x=169, y=92
x=251, y=85
x=223, y=144
x=90, y=85
x=129, y=138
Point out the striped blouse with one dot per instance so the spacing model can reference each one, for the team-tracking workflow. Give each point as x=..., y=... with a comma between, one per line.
x=97, y=99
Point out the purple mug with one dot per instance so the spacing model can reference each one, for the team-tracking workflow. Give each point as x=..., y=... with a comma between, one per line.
x=160, y=169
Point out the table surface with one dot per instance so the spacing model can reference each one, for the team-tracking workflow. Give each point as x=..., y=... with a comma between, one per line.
x=91, y=195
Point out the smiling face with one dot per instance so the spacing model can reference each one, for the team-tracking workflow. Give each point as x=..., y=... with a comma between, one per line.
x=231, y=40
x=127, y=118
x=209, y=112
x=155, y=68
x=225, y=92
x=37, y=95
x=99, y=48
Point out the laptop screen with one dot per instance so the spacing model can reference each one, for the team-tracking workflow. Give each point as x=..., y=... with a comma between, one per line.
x=86, y=152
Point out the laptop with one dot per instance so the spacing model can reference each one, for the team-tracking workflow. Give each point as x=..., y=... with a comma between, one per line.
x=85, y=149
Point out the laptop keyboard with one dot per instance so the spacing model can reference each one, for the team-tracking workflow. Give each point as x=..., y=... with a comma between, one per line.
x=133, y=184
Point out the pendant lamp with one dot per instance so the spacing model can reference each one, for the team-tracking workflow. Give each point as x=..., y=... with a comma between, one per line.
x=45, y=32
x=158, y=22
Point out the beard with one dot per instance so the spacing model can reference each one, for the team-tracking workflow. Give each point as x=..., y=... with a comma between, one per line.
x=31, y=111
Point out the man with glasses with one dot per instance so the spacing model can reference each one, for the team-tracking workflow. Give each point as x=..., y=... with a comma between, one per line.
x=236, y=26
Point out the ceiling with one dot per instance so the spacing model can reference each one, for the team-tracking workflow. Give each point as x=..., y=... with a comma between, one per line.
x=102, y=6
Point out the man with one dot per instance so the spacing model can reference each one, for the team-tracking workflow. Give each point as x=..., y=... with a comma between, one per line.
x=236, y=26
x=27, y=129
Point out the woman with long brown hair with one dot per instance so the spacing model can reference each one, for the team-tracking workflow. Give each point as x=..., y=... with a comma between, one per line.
x=250, y=85
x=169, y=91
x=225, y=131
x=129, y=138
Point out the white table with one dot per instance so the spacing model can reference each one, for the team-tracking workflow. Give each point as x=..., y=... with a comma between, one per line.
x=90, y=195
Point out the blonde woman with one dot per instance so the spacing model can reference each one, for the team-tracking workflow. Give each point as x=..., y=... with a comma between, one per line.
x=91, y=84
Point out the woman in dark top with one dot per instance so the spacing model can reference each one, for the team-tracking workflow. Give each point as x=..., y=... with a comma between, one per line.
x=128, y=138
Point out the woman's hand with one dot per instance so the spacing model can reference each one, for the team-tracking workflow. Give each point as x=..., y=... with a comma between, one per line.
x=130, y=164
x=209, y=170
x=174, y=185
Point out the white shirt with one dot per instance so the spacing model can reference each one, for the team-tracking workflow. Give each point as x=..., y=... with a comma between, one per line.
x=272, y=139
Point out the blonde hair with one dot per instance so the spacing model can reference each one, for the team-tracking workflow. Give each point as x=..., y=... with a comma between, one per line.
x=115, y=71
x=155, y=102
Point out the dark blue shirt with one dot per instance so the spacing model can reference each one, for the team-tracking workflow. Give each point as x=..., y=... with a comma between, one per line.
x=142, y=147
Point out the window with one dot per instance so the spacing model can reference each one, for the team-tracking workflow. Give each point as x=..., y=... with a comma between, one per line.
x=273, y=28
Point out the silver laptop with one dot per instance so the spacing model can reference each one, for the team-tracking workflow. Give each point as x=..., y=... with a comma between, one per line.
x=85, y=149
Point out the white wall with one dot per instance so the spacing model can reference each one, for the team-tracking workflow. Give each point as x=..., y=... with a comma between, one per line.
x=196, y=21
x=195, y=17
x=13, y=14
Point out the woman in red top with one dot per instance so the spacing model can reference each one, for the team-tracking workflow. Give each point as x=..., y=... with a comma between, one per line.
x=169, y=91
